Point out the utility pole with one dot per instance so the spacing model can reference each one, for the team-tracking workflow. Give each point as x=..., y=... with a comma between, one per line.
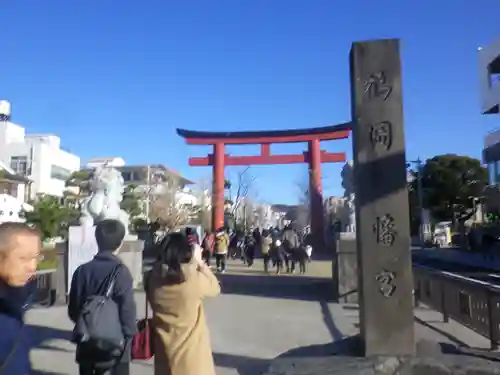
x=245, y=216
x=148, y=193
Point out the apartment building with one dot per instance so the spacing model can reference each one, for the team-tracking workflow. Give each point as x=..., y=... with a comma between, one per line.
x=489, y=77
x=38, y=157
x=151, y=180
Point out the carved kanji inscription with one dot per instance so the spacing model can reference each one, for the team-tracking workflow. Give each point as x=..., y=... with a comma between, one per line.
x=376, y=86
x=381, y=135
x=385, y=230
x=386, y=280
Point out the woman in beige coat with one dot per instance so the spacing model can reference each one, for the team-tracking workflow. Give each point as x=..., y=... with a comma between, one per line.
x=178, y=284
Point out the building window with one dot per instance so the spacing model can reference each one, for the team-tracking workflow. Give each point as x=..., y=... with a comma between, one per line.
x=128, y=176
x=59, y=173
x=19, y=164
x=494, y=72
x=491, y=173
x=496, y=179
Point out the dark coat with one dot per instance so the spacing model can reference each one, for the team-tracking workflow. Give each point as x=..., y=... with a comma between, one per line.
x=90, y=279
x=290, y=240
x=14, y=343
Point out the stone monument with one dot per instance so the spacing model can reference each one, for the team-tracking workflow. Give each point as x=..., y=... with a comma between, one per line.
x=385, y=283
x=106, y=187
x=106, y=192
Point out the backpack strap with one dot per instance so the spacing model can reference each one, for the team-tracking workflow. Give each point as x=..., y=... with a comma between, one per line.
x=112, y=281
x=106, y=287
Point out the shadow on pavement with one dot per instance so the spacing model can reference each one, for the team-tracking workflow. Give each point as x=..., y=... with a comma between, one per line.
x=352, y=346
x=244, y=365
x=39, y=336
x=304, y=288
x=330, y=322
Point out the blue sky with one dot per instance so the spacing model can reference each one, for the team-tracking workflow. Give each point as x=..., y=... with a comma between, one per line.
x=116, y=77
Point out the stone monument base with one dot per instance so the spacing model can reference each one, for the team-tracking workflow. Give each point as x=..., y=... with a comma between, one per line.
x=345, y=268
x=131, y=237
x=131, y=255
x=342, y=358
x=85, y=247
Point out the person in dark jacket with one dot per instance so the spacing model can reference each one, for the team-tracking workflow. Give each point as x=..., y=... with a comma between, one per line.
x=291, y=244
x=265, y=248
x=19, y=255
x=88, y=280
x=250, y=245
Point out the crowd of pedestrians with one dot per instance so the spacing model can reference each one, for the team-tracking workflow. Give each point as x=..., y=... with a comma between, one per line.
x=279, y=249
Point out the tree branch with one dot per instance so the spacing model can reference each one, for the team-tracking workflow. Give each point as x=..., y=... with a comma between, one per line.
x=245, y=182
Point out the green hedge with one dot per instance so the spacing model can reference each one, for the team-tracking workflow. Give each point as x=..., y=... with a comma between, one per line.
x=50, y=260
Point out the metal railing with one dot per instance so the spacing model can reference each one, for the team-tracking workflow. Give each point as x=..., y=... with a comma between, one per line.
x=44, y=293
x=472, y=303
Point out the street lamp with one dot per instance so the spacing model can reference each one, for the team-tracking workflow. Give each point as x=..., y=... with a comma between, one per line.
x=419, y=165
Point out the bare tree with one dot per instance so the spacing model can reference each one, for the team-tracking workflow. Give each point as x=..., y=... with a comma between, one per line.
x=247, y=213
x=303, y=214
x=244, y=184
x=262, y=216
x=166, y=208
x=204, y=216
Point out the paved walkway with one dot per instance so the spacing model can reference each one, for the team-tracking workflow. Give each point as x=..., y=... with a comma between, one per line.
x=257, y=318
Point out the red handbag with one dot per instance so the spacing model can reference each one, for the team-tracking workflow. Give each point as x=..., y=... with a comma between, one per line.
x=142, y=343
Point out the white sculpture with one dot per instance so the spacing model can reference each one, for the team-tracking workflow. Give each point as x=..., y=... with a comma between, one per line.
x=350, y=195
x=106, y=187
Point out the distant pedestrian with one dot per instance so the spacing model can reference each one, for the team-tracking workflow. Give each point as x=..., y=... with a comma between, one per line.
x=279, y=254
x=265, y=249
x=250, y=245
x=221, y=250
x=275, y=236
x=19, y=254
x=308, y=243
x=207, y=246
x=301, y=258
x=291, y=244
x=233, y=245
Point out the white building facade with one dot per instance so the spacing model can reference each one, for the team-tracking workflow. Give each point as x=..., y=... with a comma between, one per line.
x=110, y=162
x=38, y=157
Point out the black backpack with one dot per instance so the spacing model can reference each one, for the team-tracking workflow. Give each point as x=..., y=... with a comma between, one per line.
x=98, y=324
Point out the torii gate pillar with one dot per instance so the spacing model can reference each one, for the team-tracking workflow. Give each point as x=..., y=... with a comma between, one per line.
x=317, y=215
x=218, y=186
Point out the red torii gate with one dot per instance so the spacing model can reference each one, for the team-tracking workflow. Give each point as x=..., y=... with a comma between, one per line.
x=314, y=156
